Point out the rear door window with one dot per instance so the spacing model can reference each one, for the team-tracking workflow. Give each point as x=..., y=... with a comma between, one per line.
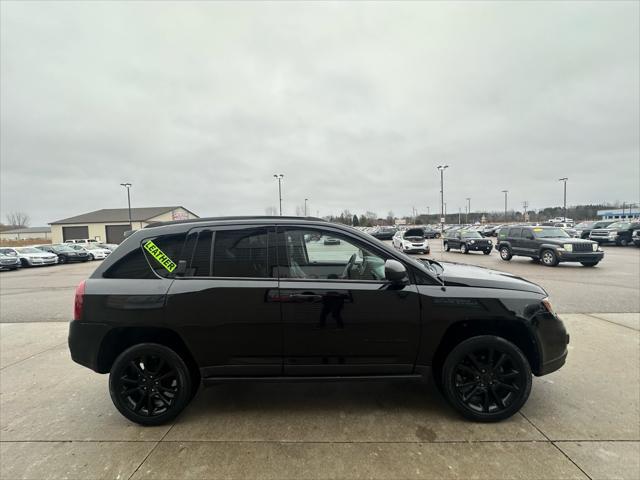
x=164, y=253
x=515, y=232
x=243, y=253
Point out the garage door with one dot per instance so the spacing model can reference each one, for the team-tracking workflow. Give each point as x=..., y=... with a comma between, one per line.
x=74, y=233
x=115, y=233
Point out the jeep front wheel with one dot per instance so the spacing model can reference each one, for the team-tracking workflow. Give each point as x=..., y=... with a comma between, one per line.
x=549, y=258
x=486, y=378
x=463, y=248
x=150, y=384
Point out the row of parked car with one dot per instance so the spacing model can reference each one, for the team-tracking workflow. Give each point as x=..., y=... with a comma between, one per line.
x=12, y=258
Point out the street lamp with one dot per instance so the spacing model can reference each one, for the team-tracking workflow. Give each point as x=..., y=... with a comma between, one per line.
x=305, y=206
x=468, y=208
x=442, y=168
x=505, y=204
x=128, y=186
x=279, y=176
x=564, y=179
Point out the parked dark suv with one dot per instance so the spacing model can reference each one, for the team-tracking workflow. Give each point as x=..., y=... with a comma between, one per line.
x=550, y=245
x=262, y=299
x=583, y=229
x=618, y=233
x=468, y=241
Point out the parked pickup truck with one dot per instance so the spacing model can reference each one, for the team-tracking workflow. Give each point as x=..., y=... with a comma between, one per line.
x=618, y=233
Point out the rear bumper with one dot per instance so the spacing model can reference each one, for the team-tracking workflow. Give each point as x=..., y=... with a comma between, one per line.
x=85, y=340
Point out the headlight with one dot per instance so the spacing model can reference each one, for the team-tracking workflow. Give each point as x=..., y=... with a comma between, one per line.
x=568, y=247
x=613, y=234
x=472, y=241
x=595, y=247
x=490, y=242
x=547, y=305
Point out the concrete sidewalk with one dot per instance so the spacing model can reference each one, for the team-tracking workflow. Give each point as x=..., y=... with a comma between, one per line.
x=57, y=421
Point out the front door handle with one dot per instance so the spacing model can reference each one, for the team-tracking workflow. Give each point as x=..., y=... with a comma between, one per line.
x=305, y=297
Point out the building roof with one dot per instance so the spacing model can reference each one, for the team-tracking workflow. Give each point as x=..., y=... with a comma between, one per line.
x=618, y=211
x=29, y=230
x=107, y=215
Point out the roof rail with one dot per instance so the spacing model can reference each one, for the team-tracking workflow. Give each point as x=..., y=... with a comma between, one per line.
x=239, y=217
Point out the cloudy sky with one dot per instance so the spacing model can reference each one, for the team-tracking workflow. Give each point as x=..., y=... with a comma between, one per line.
x=199, y=104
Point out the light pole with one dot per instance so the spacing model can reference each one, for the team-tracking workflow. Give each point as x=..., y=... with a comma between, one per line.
x=128, y=186
x=505, y=204
x=305, y=206
x=564, y=179
x=279, y=176
x=442, y=168
x=468, y=208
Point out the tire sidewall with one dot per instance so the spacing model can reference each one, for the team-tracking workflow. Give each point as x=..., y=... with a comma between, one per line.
x=508, y=254
x=458, y=353
x=170, y=357
x=463, y=248
x=554, y=256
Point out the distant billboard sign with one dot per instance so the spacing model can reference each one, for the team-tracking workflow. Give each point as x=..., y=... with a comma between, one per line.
x=179, y=215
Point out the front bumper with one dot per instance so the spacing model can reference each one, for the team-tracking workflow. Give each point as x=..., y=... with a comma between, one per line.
x=479, y=247
x=564, y=256
x=424, y=248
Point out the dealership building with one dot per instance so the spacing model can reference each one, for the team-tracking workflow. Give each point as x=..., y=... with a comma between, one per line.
x=26, y=233
x=109, y=224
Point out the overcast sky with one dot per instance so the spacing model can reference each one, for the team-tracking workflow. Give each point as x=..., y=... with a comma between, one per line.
x=199, y=104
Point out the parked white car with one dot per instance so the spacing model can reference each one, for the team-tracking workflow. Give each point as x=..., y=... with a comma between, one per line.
x=411, y=240
x=95, y=252
x=30, y=256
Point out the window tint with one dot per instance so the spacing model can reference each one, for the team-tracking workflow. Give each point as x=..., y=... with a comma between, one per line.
x=515, y=232
x=241, y=253
x=132, y=265
x=171, y=247
x=317, y=254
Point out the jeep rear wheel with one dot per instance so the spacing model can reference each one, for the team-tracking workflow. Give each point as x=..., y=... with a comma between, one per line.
x=150, y=384
x=486, y=378
x=549, y=258
x=463, y=248
x=505, y=253
x=446, y=247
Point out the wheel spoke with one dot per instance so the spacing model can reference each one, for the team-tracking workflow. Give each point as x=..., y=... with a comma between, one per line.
x=465, y=398
x=462, y=386
x=137, y=368
x=162, y=399
x=130, y=391
x=474, y=360
x=130, y=381
x=485, y=401
x=139, y=403
x=149, y=404
x=511, y=388
x=509, y=375
x=167, y=375
x=500, y=361
x=497, y=397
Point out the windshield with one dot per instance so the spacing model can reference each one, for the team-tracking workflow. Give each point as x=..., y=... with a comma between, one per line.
x=29, y=250
x=471, y=234
x=62, y=248
x=549, y=233
x=620, y=225
x=7, y=251
x=414, y=232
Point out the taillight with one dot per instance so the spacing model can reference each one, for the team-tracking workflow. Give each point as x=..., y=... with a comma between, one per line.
x=79, y=301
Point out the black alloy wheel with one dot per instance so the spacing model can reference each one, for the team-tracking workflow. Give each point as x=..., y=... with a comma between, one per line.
x=486, y=378
x=62, y=259
x=150, y=384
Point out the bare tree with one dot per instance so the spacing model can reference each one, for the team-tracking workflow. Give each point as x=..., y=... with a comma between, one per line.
x=18, y=219
x=271, y=211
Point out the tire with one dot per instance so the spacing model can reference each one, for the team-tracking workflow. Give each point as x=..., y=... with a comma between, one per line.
x=169, y=380
x=463, y=248
x=447, y=248
x=624, y=242
x=62, y=259
x=590, y=264
x=505, y=253
x=91, y=257
x=549, y=258
x=487, y=252
x=486, y=378
x=437, y=235
x=24, y=262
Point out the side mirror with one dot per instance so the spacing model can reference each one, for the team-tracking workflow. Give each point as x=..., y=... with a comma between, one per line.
x=395, y=272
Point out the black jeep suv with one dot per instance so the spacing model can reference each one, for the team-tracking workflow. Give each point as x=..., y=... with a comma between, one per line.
x=467, y=241
x=551, y=245
x=250, y=299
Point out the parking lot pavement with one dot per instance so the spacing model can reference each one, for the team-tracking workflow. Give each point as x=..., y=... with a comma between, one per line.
x=57, y=421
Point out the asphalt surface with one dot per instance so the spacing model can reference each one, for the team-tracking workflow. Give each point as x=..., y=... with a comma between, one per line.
x=581, y=422
x=45, y=294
